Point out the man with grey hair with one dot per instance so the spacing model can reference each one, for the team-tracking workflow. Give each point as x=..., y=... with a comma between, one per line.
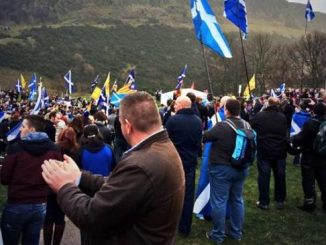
x=185, y=131
x=271, y=128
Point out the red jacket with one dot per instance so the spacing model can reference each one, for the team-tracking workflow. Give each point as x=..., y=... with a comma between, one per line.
x=21, y=170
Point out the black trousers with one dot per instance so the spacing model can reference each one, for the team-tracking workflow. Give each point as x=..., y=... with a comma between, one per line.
x=188, y=205
x=264, y=173
x=309, y=177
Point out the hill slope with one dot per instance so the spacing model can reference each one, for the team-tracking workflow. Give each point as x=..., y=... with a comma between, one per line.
x=96, y=36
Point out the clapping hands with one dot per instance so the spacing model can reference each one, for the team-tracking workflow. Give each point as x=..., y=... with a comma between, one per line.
x=59, y=173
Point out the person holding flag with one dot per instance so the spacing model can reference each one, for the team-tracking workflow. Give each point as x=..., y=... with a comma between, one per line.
x=226, y=181
x=202, y=207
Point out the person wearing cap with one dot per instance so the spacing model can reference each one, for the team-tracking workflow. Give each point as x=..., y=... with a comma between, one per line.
x=141, y=201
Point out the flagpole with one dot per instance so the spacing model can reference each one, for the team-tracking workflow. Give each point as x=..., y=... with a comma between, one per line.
x=207, y=71
x=209, y=78
x=245, y=62
x=305, y=38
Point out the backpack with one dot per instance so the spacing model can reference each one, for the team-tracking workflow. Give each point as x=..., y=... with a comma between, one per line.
x=245, y=145
x=319, y=145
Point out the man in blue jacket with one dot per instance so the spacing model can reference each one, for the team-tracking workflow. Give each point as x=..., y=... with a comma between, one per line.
x=185, y=131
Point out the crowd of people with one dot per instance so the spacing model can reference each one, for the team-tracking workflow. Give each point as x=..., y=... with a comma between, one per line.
x=127, y=175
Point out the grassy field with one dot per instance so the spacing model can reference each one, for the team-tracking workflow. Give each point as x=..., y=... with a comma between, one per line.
x=288, y=226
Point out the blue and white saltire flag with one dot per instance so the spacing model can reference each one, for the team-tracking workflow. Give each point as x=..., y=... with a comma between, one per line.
x=181, y=77
x=32, y=86
x=44, y=98
x=310, y=14
x=298, y=119
x=69, y=82
x=207, y=29
x=38, y=104
x=116, y=98
x=236, y=12
x=131, y=78
x=273, y=94
x=202, y=206
x=95, y=82
x=18, y=87
x=102, y=101
x=14, y=132
x=282, y=88
x=2, y=116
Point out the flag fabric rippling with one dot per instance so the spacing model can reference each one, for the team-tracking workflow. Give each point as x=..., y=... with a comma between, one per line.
x=207, y=29
x=298, y=119
x=309, y=14
x=202, y=206
x=236, y=12
x=32, y=86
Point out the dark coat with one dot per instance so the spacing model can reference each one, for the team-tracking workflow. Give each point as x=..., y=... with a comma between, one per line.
x=140, y=202
x=305, y=140
x=271, y=128
x=50, y=129
x=185, y=131
x=21, y=170
x=222, y=137
x=105, y=132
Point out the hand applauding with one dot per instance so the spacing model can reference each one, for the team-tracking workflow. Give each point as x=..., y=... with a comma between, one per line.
x=57, y=173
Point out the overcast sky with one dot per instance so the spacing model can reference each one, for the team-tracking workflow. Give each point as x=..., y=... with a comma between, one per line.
x=317, y=5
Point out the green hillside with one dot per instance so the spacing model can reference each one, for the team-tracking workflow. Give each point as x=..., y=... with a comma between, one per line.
x=155, y=36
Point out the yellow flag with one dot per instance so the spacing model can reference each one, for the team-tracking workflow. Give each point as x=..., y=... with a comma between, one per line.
x=23, y=82
x=96, y=93
x=107, y=85
x=252, y=84
x=115, y=86
x=126, y=90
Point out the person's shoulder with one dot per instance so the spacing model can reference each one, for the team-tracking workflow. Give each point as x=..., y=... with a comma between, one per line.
x=52, y=146
x=173, y=119
x=220, y=126
x=14, y=148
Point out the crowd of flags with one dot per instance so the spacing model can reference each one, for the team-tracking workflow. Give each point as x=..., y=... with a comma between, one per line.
x=207, y=31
